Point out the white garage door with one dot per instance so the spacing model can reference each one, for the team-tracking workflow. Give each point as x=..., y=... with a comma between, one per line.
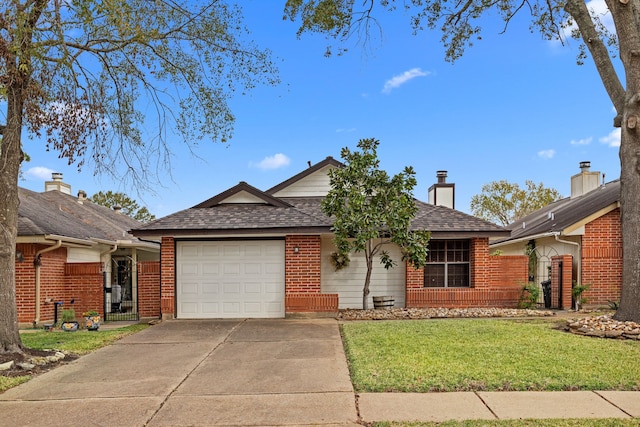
x=230, y=279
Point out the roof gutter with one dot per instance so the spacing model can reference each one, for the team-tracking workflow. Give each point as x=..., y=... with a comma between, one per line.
x=523, y=239
x=37, y=262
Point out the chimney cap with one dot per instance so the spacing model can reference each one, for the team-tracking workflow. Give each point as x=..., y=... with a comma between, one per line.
x=442, y=176
x=585, y=165
x=56, y=176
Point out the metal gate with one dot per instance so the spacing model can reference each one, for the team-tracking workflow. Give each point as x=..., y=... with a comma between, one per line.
x=121, y=290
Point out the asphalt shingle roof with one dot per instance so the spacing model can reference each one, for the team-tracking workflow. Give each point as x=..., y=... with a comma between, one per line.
x=53, y=212
x=559, y=215
x=304, y=213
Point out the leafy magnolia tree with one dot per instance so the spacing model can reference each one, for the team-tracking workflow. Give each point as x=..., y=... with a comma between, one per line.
x=459, y=25
x=503, y=202
x=372, y=210
x=82, y=74
x=127, y=205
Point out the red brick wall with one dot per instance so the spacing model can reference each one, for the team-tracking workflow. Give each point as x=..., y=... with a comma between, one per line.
x=52, y=283
x=496, y=281
x=302, y=268
x=149, y=289
x=508, y=271
x=84, y=284
x=302, y=277
x=25, y=284
x=167, y=277
x=479, y=267
x=566, y=274
x=462, y=297
x=602, y=259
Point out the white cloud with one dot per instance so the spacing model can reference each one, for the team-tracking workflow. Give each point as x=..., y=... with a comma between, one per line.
x=583, y=141
x=39, y=172
x=546, y=154
x=272, y=162
x=400, y=79
x=349, y=130
x=613, y=139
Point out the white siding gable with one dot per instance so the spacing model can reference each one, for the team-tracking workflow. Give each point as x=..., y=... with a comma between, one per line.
x=243, y=197
x=313, y=185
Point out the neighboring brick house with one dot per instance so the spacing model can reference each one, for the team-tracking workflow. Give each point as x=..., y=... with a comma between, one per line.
x=72, y=253
x=252, y=253
x=575, y=240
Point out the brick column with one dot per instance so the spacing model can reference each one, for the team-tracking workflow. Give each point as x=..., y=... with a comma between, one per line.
x=167, y=278
x=566, y=275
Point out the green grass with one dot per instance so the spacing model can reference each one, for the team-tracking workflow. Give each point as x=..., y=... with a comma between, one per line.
x=475, y=354
x=583, y=422
x=80, y=342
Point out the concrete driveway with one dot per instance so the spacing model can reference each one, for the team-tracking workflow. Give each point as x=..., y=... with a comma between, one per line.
x=203, y=373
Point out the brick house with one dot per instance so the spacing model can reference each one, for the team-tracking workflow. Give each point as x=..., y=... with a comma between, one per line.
x=72, y=253
x=252, y=253
x=574, y=240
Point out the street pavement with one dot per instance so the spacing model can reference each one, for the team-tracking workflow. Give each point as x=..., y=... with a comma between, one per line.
x=256, y=372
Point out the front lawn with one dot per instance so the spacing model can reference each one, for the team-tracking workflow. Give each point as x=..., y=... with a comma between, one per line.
x=484, y=354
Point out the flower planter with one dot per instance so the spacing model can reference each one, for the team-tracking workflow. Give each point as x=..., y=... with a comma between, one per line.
x=69, y=326
x=92, y=322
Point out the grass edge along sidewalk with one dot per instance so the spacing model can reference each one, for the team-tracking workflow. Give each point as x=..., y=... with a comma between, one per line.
x=485, y=355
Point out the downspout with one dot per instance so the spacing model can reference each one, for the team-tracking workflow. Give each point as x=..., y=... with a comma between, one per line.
x=36, y=263
x=557, y=236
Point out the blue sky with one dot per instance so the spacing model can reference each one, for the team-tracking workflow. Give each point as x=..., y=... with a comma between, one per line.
x=514, y=107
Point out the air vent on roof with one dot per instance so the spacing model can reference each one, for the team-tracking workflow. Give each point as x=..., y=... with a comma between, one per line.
x=551, y=216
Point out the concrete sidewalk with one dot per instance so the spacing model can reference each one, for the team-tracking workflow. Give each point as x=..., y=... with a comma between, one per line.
x=440, y=407
x=257, y=373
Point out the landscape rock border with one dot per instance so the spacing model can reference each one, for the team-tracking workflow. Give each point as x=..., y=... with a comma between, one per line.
x=604, y=327
x=439, y=313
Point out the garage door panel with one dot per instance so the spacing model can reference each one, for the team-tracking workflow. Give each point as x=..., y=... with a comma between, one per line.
x=189, y=307
x=189, y=269
x=253, y=288
x=253, y=268
x=231, y=308
x=230, y=279
x=190, y=288
x=210, y=288
x=210, y=268
x=210, y=308
x=210, y=251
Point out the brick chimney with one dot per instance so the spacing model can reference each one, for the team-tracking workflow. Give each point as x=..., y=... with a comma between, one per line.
x=56, y=183
x=584, y=181
x=442, y=193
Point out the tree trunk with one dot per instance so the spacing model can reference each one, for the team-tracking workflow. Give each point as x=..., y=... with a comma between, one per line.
x=367, y=280
x=629, y=309
x=626, y=21
x=10, y=159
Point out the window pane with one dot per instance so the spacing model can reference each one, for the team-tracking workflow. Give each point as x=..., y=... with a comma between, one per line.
x=458, y=275
x=436, y=251
x=458, y=251
x=434, y=275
